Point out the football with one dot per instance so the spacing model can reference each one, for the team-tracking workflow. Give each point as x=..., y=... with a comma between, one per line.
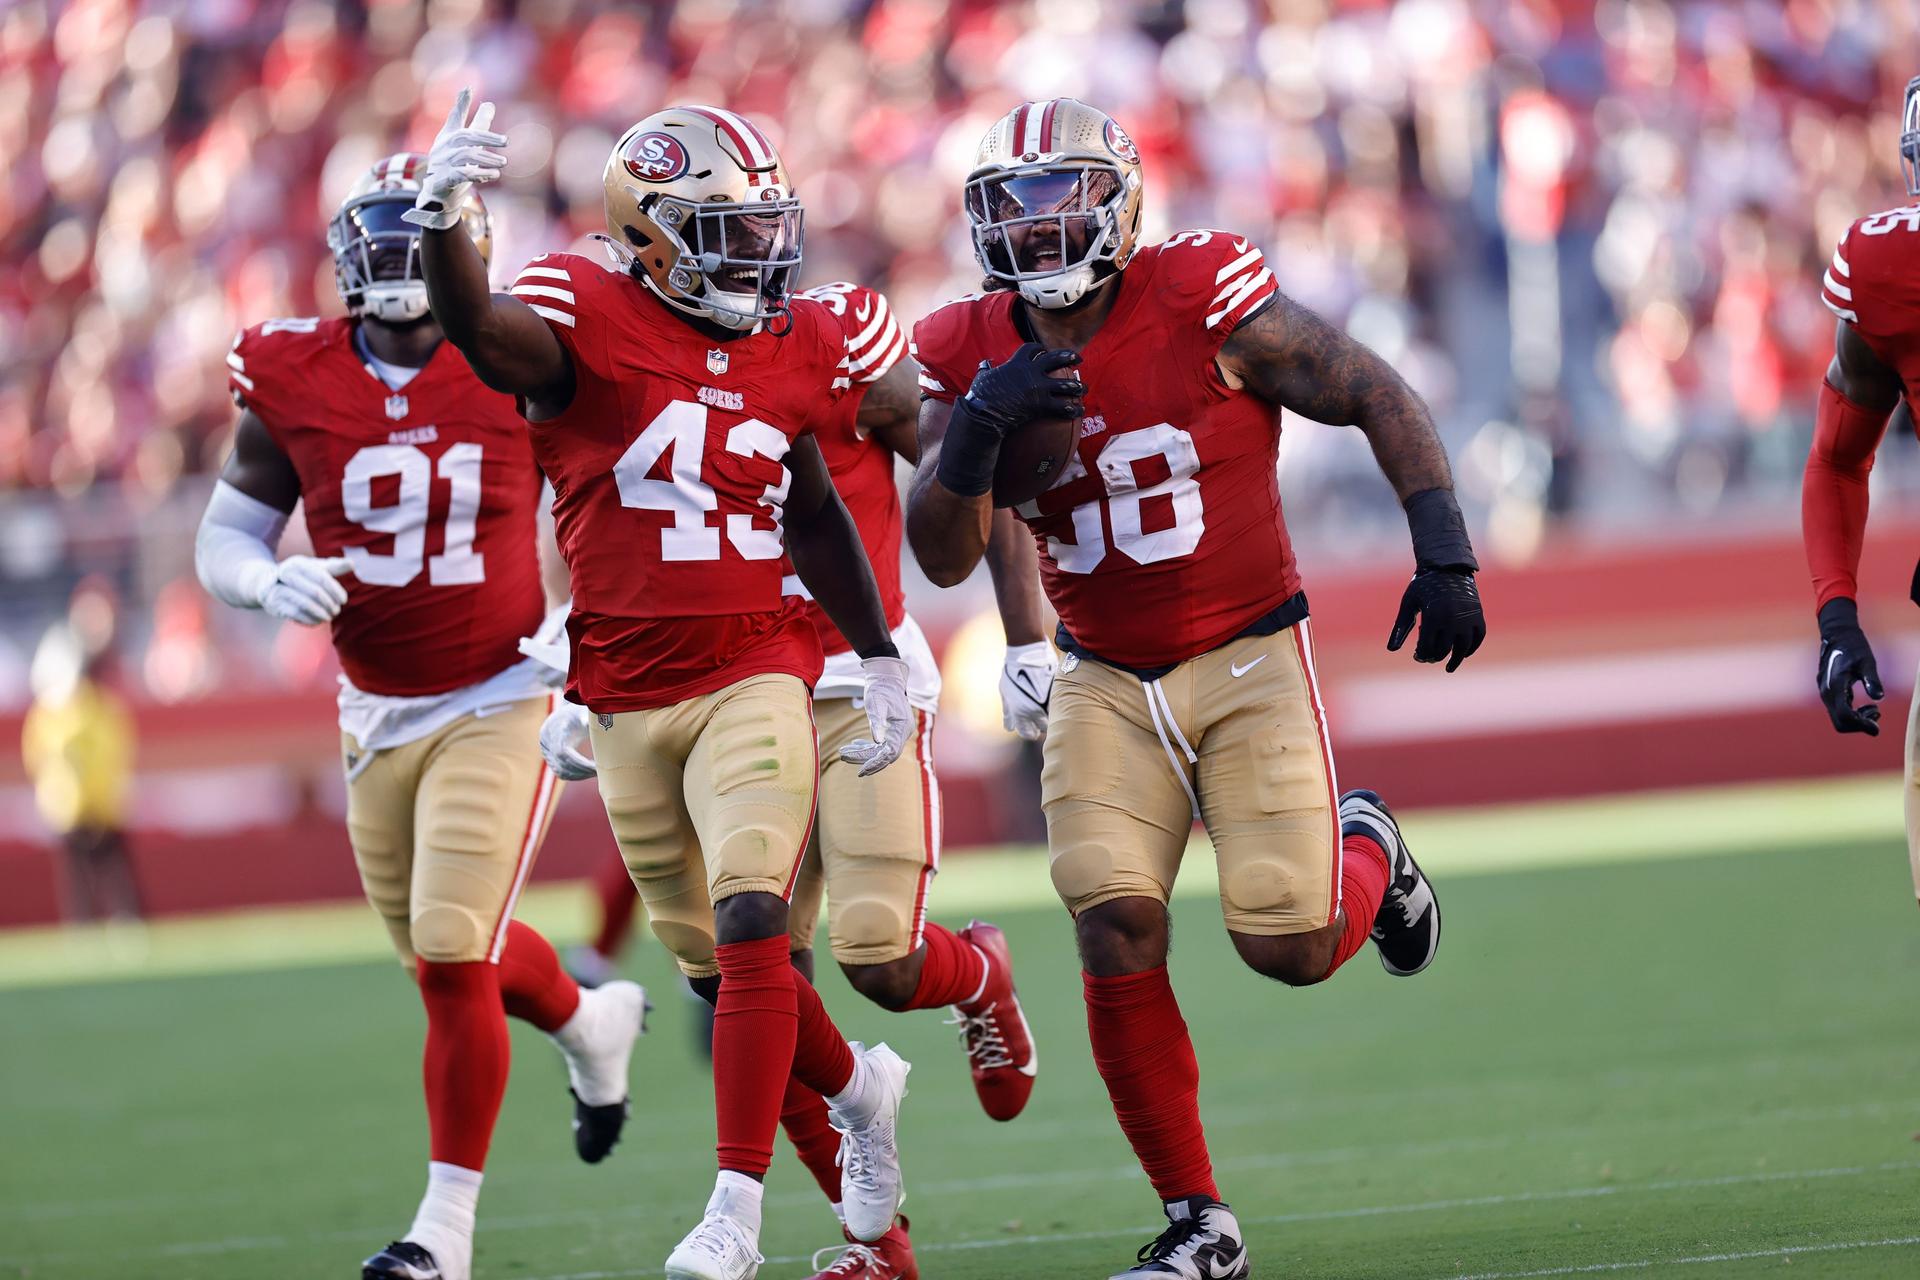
x=1032, y=456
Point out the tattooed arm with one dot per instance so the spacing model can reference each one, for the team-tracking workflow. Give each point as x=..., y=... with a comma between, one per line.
x=1291, y=358
x=890, y=410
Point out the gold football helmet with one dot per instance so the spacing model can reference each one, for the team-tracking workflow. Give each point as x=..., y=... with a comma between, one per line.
x=1054, y=200
x=700, y=208
x=376, y=256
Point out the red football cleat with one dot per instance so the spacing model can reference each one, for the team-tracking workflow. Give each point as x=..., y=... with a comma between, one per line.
x=888, y=1258
x=994, y=1030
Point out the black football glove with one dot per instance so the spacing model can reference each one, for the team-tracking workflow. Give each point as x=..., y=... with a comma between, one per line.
x=1846, y=658
x=1451, y=623
x=1003, y=398
x=1442, y=594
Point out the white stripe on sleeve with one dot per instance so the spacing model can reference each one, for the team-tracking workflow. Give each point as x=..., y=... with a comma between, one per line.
x=1234, y=268
x=541, y=291
x=1246, y=289
x=558, y=317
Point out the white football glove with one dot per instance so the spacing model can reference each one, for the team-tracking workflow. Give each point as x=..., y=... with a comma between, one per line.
x=889, y=717
x=561, y=737
x=305, y=589
x=467, y=151
x=548, y=645
x=1026, y=683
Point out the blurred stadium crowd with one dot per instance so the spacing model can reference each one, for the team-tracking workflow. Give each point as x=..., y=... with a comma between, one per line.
x=1589, y=231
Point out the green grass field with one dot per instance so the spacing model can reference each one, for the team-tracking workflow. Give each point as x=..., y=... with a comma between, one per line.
x=1676, y=1048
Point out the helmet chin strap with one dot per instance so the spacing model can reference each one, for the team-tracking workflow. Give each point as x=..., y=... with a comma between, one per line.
x=394, y=301
x=1061, y=289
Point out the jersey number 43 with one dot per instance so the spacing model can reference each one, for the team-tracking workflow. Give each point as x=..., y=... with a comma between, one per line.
x=682, y=427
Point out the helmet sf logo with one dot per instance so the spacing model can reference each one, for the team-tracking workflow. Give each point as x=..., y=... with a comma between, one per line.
x=656, y=157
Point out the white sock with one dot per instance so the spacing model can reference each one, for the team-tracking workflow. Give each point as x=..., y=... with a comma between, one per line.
x=738, y=1197
x=447, y=1210
x=572, y=1034
x=846, y=1104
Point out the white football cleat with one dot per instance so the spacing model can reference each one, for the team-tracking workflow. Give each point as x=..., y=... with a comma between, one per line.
x=871, y=1186
x=718, y=1249
x=597, y=1043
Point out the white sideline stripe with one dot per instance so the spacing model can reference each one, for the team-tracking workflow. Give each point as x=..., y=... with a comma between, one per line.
x=1837, y=289
x=541, y=291
x=1246, y=259
x=1785, y=1251
x=558, y=317
x=545, y=273
x=1429, y=1206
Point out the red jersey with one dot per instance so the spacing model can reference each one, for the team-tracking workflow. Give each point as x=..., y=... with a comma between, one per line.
x=1162, y=537
x=430, y=491
x=668, y=480
x=1873, y=284
x=862, y=467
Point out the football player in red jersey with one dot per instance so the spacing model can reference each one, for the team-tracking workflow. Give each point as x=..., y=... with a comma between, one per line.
x=421, y=499
x=671, y=405
x=876, y=843
x=1873, y=289
x=1188, y=690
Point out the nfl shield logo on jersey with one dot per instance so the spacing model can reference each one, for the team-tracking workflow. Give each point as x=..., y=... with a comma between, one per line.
x=396, y=408
x=716, y=361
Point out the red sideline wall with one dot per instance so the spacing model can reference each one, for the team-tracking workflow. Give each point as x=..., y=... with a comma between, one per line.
x=1577, y=599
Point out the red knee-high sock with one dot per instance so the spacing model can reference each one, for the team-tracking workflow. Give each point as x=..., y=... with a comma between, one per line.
x=465, y=1068
x=821, y=1059
x=614, y=888
x=803, y=1114
x=754, y=1025
x=953, y=971
x=1143, y=1052
x=533, y=986
x=1363, y=882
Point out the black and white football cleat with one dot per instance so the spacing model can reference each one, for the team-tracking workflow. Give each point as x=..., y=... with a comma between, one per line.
x=1406, y=929
x=1202, y=1242
x=597, y=1044
x=401, y=1260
